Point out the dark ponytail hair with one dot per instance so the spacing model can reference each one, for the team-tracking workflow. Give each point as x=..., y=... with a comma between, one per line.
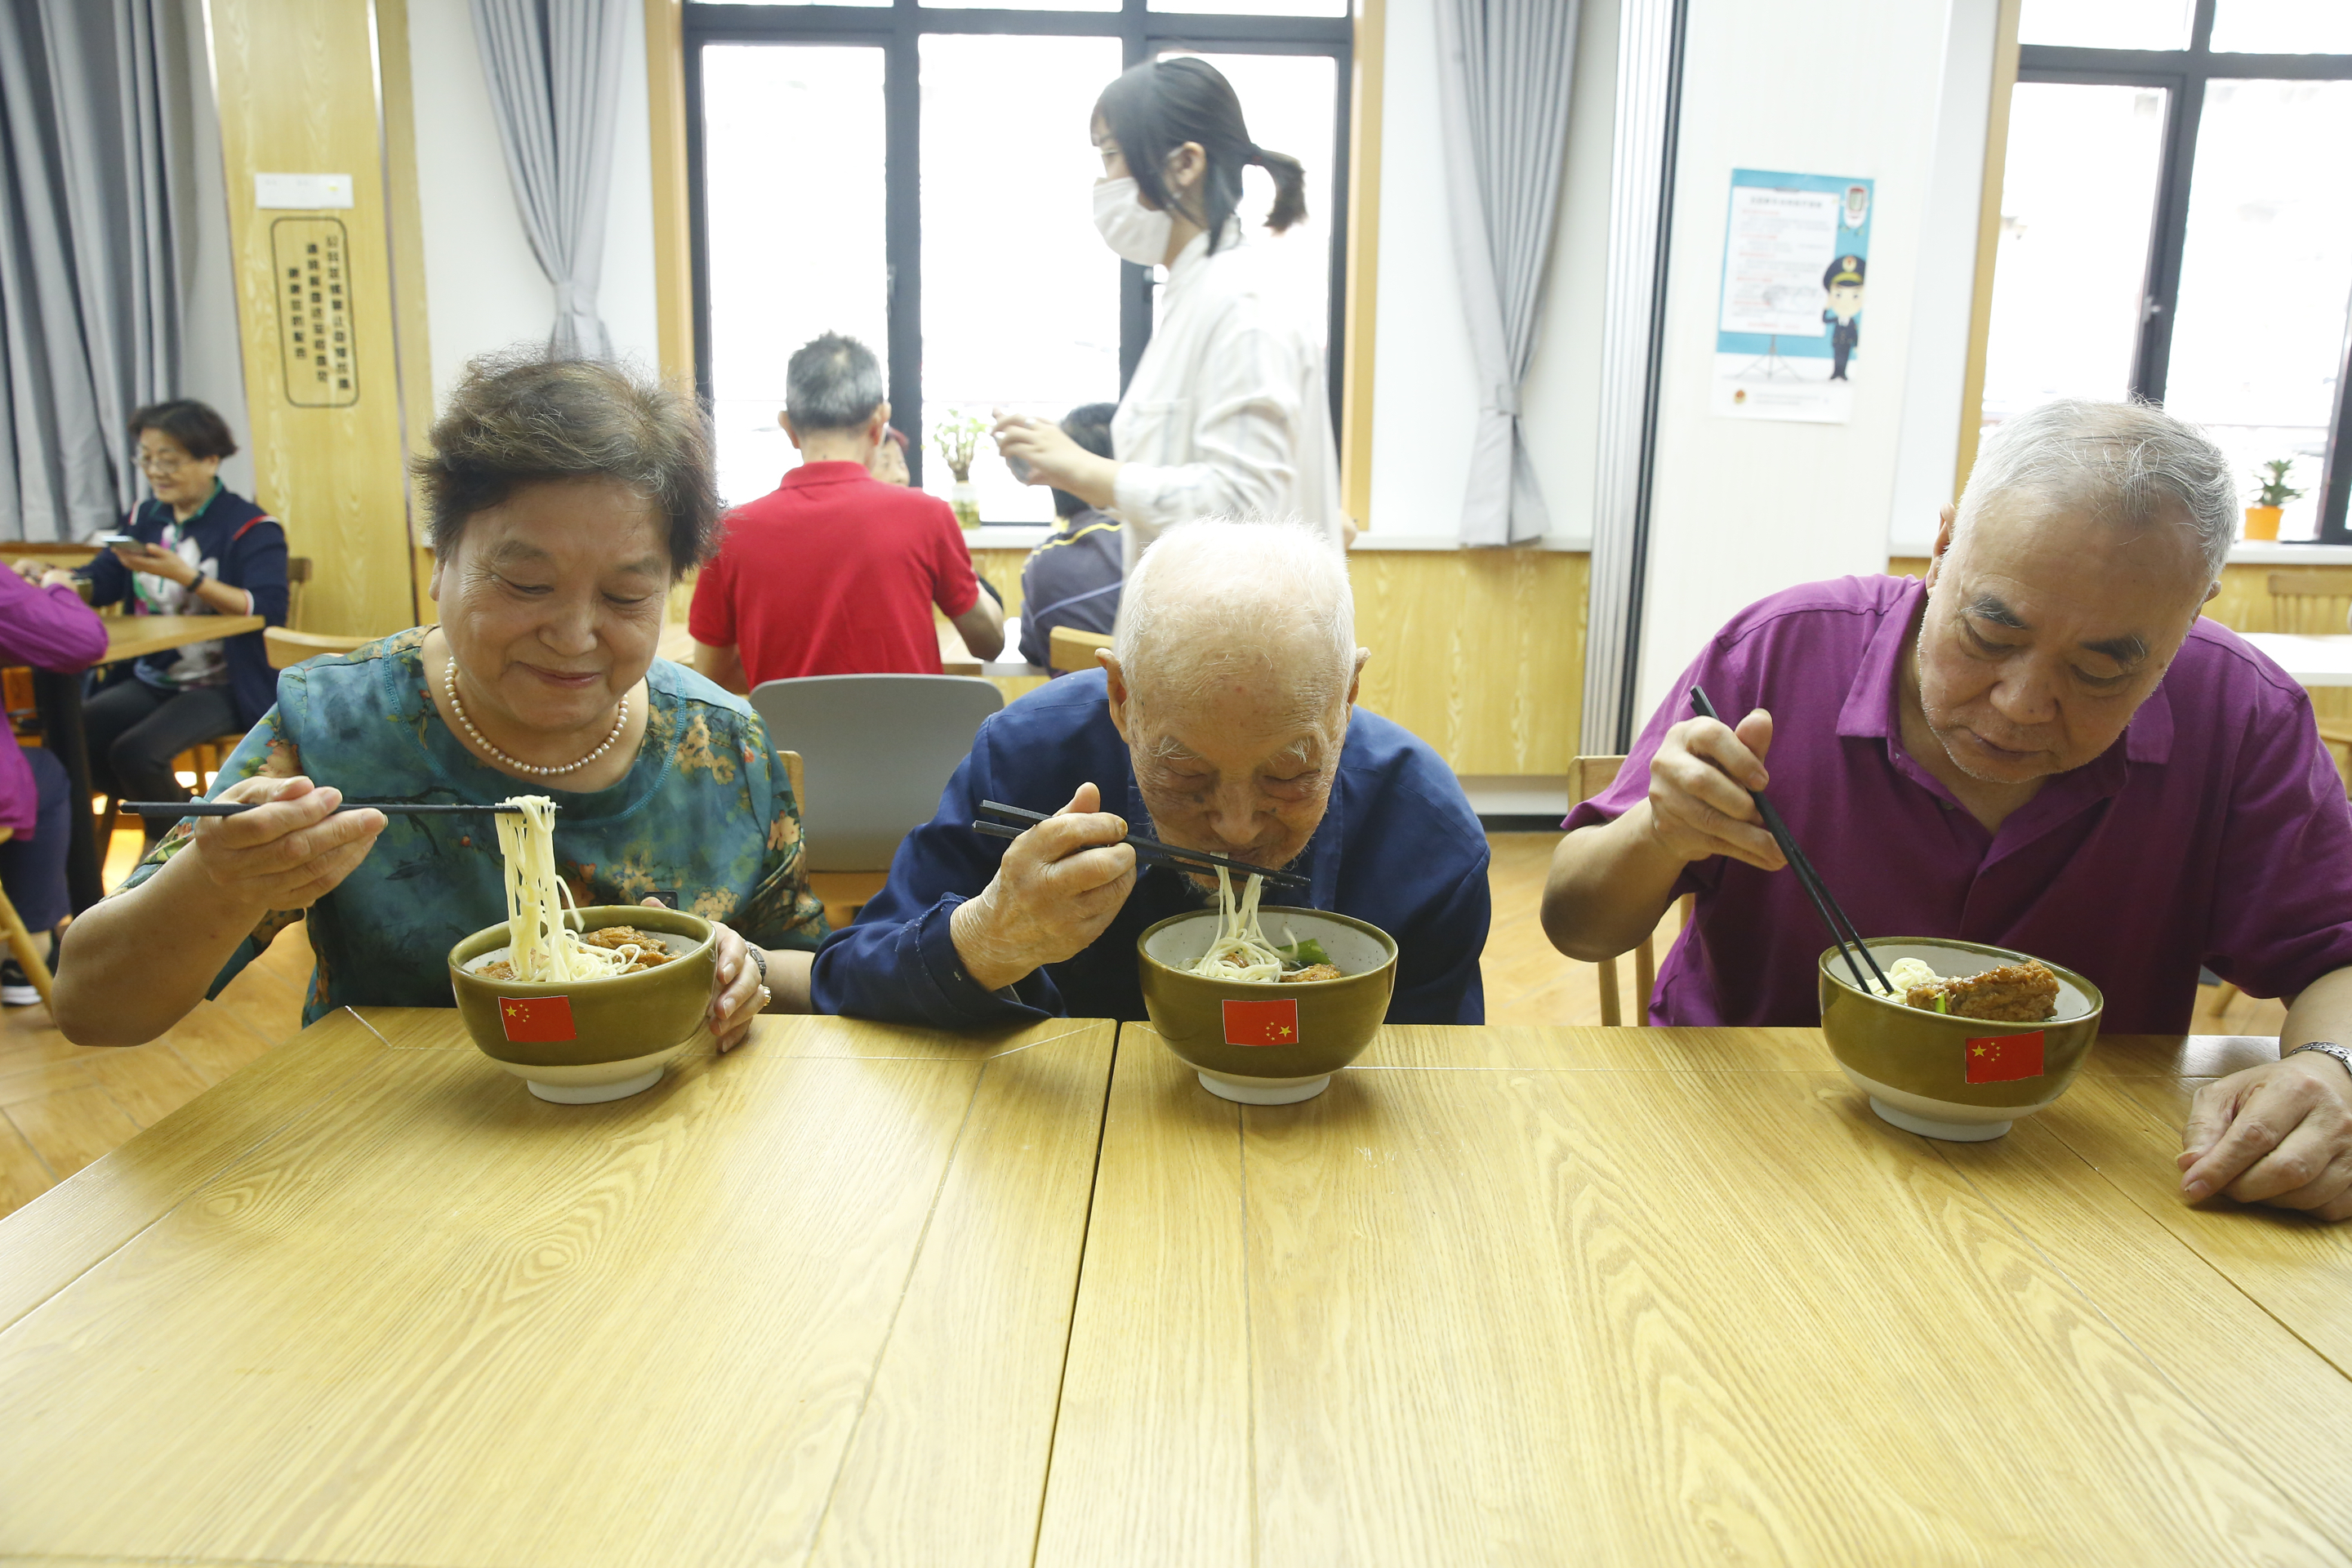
x=1159, y=106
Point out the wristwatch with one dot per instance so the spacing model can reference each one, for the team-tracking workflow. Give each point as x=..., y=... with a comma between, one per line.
x=197, y=580
x=2327, y=1048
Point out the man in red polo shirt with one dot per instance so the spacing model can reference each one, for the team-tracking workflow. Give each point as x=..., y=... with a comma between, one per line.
x=835, y=573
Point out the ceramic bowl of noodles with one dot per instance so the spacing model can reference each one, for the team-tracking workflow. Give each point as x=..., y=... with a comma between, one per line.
x=1261, y=1042
x=580, y=1042
x=1978, y=1038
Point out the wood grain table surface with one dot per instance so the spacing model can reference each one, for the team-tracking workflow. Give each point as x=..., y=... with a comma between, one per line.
x=135, y=637
x=859, y=1294
x=367, y=1302
x=1643, y=1296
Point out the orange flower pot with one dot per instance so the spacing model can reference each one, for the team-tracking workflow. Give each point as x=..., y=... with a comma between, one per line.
x=2262, y=521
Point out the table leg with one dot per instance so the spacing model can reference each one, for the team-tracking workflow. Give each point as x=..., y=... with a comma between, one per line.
x=58, y=697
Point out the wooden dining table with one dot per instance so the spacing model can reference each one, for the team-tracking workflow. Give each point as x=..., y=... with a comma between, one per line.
x=856, y=1293
x=58, y=699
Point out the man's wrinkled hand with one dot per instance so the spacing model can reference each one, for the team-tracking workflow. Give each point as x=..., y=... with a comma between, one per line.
x=1699, y=803
x=2280, y=1133
x=1060, y=885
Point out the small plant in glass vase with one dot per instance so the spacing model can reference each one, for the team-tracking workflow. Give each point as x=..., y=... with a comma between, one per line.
x=2263, y=517
x=958, y=439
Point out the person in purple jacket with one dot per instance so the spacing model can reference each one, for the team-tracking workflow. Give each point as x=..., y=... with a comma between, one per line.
x=50, y=628
x=2040, y=748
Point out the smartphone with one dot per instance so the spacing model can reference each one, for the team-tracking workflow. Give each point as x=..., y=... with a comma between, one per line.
x=1020, y=471
x=116, y=541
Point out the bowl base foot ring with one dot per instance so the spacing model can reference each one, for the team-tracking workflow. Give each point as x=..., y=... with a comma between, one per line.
x=1264, y=1092
x=596, y=1094
x=1949, y=1131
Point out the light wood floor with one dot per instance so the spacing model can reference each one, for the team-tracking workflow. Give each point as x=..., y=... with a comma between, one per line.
x=62, y=1106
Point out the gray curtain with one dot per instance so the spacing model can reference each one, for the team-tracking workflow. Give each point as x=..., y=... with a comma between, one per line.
x=95, y=186
x=1502, y=74
x=555, y=73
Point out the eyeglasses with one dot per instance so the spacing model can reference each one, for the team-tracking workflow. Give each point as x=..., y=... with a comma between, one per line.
x=158, y=467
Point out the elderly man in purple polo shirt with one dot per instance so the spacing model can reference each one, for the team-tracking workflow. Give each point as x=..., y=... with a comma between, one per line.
x=2042, y=747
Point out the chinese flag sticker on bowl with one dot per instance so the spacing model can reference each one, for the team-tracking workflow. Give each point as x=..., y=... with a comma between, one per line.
x=1997, y=1059
x=1262, y=1023
x=529, y=1019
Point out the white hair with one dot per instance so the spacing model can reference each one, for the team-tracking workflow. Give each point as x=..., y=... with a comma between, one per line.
x=2128, y=463
x=1212, y=596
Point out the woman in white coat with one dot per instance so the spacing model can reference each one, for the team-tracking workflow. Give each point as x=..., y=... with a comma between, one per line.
x=1228, y=413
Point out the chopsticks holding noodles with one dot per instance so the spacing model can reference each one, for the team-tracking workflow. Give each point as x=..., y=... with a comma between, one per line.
x=1149, y=851
x=176, y=808
x=1841, y=929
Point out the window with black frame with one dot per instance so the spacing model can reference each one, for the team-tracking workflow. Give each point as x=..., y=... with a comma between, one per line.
x=2176, y=220
x=918, y=175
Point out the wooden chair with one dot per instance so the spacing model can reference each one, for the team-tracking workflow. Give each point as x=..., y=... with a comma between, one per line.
x=1068, y=648
x=20, y=941
x=1589, y=776
x=287, y=648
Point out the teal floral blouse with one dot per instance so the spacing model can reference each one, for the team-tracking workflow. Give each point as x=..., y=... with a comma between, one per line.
x=704, y=812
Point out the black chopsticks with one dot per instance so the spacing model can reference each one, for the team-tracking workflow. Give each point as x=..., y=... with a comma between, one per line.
x=176, y=808
x=1808, y=878
x=1147, y=850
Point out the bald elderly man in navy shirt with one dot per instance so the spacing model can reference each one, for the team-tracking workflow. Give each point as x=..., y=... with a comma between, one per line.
x=1224, y=719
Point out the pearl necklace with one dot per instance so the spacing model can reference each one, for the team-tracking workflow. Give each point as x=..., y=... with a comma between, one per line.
x=449, y=685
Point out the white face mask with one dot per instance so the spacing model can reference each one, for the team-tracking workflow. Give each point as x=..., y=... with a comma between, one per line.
x=1133, y=230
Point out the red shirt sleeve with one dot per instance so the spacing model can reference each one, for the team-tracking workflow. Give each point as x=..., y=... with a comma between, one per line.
x=954, y=589
x=711, y=618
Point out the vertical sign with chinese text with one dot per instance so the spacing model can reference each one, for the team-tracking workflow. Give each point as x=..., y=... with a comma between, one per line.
x=314, y=311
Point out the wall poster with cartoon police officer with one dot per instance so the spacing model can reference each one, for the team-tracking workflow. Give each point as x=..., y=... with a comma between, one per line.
x=1787, y=343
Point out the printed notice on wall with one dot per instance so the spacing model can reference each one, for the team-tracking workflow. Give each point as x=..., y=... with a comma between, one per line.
x=1787, y=343
x=314, y=313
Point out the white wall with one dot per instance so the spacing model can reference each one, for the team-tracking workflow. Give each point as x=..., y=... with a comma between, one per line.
x=1744, y=507
x=1424, y=390
x=483, y=287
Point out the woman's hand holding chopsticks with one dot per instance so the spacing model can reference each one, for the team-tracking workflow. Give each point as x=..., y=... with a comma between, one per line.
x=1059, y=886
x=1699, y=802
x=286, y=855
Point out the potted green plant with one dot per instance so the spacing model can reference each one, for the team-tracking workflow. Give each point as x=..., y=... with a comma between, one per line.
x=2263, y=517
x=958, y=439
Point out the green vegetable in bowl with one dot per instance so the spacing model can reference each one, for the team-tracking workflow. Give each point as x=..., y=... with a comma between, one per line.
x=1300, y=954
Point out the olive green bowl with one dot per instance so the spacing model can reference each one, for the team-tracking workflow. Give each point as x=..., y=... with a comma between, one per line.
x=587, y=1041
x=1915, y=1064
x=1271, y=1043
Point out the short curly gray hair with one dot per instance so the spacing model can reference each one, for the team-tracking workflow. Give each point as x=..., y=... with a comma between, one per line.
x=2124, y=462
x=523, y=417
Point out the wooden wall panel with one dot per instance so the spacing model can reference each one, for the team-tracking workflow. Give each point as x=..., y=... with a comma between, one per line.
x=1479, y=652
x=298, y=94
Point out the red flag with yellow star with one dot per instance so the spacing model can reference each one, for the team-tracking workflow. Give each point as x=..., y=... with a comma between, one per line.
x=1997, y=1059
x=535, y=1018
x=1262, y=1023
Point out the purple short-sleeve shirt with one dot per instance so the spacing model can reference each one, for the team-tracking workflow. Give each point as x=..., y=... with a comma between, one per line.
x=2213, y=834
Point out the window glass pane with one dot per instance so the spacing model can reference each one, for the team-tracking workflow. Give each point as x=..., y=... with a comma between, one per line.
x=2107, y=24
x=1292, y=106
x=2077, y=197
x=1250, y=8
x=2264, y=278
x=774, y=284
x=2284, y=28
x=791, y=2
x=1019, y=294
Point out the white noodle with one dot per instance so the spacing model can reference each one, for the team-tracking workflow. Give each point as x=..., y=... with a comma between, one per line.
x=1905, y=975
x=543, y=944
x=1241, y=951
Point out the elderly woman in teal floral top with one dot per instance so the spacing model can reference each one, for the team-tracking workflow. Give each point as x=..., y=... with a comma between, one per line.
x=566, y=497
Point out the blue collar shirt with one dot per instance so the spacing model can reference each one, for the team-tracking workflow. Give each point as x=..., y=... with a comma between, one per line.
x=1398, y=846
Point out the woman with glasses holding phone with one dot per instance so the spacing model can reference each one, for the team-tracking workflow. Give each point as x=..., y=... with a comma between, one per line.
x=196, y=547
